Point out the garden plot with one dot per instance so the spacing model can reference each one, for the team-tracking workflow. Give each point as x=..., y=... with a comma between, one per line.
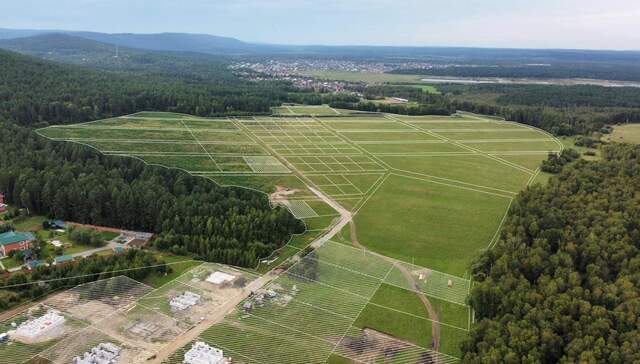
x=183, y=302
x=34, y=331
x=348, y=125
x=478, y=170
x=371, y=346
x=387, y=136
x=464, y=125
x=315, y=149
x=314, y=307
x=143, y=328
x=300, y=209
x=221, y=281
x=496, y=146
x=144, y=147
x=208, y=124
x=400, y=148
x=356, y=163
x=123, y=134
x=85, y=340
x=46, y=329
x=510, y=134
x=297, y=137
x=134, y=123
x=95, y=301
x=265, y=164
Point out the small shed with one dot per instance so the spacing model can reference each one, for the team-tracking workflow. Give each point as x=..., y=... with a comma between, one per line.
x=63, y=259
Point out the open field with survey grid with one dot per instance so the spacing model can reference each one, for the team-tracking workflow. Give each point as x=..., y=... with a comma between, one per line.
x=427, y=193
x=120, y=311
x=431, y=190
x=330, y=303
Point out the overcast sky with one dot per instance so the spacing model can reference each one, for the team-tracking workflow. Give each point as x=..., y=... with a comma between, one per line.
x=594, y=24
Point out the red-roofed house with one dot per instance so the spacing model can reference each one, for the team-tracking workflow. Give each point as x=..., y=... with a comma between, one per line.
x=3, y=206
x=12, y=240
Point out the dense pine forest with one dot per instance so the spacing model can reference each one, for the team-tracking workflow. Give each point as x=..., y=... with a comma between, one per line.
x=562, y=285
x=191, y=214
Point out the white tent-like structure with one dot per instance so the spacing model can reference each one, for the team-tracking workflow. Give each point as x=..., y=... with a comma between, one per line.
x=201, y=353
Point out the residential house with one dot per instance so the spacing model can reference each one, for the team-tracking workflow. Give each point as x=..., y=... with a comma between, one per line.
x=13, y=240
x=3, y=206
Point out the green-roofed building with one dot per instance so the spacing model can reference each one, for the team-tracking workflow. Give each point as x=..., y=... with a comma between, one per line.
x=62, y=259
x=14, y=240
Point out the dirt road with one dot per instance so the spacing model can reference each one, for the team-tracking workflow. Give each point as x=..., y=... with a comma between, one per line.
x=435, y=324
x=229, y=306
x=212, y=319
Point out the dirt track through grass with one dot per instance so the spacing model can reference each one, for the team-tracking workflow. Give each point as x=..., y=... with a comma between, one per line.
x=435, y=325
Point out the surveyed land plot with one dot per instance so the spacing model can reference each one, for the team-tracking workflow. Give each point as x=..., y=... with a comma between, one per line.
x=429, y=192
x=50, y=329
x=314, y=310
x=354, y=159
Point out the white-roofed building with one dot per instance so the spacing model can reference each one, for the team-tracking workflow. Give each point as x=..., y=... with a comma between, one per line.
x=201, y=353
x=220, y=277
x=184, y=301
x=103, y=353
x=42, y=325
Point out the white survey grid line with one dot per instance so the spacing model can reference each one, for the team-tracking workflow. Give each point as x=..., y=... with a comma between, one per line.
x=360, y=313
x=458, y=143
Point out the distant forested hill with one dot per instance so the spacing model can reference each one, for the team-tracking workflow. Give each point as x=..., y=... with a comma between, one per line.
x=563, y=283
x=34, y=91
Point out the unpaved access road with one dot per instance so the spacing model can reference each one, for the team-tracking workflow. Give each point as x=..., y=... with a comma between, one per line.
x=435, y=324
x=229, y=306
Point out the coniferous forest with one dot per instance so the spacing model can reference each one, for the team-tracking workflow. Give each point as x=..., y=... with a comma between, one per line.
x=562, y=284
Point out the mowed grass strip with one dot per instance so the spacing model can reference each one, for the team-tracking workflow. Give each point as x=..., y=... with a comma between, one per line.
x=473, y=169
x=221, y=124
x=413, y=148
x=530, y=161
x=443, y=118
x=187, y=163
x=464, y=125
x=227, y=137
x=363, y=125
x=143, y=147
x=431, y=225
x=383, y=136
x=133, y=123
x=312, y=110
x=161, y=114
x=117, y=134
x=505, y=134
x=515, y=146
x=240, y=149
x=255, y=340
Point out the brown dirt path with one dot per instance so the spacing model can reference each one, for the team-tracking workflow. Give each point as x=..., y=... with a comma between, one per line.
x=435, y=324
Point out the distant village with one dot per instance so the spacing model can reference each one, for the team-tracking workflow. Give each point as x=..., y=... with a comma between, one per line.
x=297, y=71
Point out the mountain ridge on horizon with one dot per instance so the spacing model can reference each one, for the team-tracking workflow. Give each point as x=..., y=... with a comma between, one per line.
x=209, y=43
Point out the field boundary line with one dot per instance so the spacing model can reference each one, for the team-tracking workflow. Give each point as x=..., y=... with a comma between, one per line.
x=494, y=240
x=457, y=143
x=359, y=313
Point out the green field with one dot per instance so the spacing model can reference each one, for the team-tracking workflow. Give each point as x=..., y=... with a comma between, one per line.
x=629, y=133
x=438, y=226
x=427, y=192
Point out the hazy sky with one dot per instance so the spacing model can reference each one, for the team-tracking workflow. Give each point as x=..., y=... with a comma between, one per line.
x=600, y=24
